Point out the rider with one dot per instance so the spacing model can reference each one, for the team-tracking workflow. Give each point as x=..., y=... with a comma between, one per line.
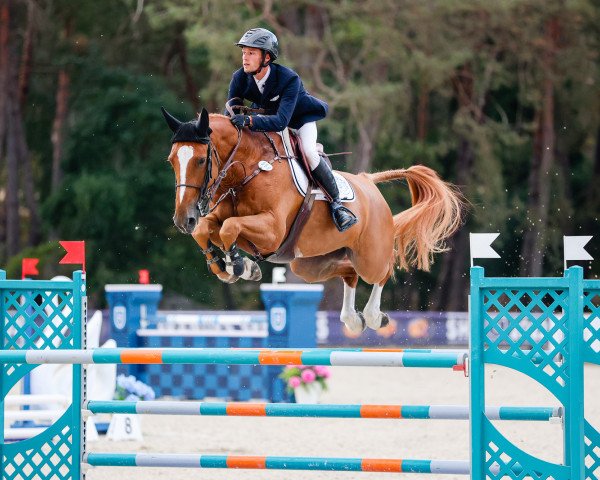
x=280, y=92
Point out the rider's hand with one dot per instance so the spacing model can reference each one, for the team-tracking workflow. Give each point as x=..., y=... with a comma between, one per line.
x=240, y=121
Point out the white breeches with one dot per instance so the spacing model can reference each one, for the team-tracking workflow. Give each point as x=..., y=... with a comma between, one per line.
x=308, y=135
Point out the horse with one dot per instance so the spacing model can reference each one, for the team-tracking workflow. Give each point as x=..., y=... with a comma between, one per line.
x=228, y=199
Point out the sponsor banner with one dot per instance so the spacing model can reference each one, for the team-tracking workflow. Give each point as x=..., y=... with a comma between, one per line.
x=405, y=329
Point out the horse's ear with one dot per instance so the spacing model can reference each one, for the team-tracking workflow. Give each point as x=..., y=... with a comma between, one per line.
x=202, y=124
x=173, y=123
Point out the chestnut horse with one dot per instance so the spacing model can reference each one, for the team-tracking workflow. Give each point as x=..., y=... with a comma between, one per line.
x=225, y=200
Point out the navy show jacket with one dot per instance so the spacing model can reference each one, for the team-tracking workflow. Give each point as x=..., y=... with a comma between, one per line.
x=284, y=98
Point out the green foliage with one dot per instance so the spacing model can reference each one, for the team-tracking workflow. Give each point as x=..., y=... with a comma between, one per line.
x=454, y=85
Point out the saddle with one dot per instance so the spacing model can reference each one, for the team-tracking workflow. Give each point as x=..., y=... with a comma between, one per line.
x=295, y=144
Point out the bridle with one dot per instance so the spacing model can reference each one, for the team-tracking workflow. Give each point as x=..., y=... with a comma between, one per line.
x=206, y=193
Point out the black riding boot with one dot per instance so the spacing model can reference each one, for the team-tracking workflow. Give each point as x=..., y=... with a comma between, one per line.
x=342, y=216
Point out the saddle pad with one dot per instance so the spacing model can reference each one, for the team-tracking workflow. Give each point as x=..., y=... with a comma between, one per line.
x=347, y=194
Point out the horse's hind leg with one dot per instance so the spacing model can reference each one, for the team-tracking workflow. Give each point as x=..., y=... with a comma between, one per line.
x=377, y=272
x=319, y=269
x=354, y=320
x=374, y=317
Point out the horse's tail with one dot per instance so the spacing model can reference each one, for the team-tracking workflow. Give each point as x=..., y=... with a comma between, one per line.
x=436, y=213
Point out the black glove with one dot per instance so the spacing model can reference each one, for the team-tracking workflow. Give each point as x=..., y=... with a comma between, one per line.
x=240, y=121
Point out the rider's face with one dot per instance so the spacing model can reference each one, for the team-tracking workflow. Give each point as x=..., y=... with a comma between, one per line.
x=251, y=59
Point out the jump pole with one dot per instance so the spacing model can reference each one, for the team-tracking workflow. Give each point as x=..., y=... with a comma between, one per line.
x=227, y=356
x=276, y=463
x=245, y=409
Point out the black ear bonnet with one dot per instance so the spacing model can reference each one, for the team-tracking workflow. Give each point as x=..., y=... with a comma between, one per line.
x=190, y=132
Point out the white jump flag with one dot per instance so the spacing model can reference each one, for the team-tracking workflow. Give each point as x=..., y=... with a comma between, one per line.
x=574, y=248
x=481, y=245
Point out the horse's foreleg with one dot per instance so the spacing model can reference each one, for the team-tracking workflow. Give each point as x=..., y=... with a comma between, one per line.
x=354, y=320
x=263, y=230
x=241, y=267
x=374, y=317
x=206, y=228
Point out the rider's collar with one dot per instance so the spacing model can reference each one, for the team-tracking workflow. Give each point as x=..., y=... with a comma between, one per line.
x=261, y=83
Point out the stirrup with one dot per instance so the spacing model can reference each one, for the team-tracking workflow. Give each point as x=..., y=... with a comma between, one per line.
x=350, y=219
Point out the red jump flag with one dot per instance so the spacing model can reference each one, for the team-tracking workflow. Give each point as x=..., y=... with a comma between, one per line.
x=75, y=252
x=29, y=267
x=144, y=276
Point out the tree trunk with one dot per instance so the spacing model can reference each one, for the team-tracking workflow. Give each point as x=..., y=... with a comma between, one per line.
x=60, y=116
x=452, y=284
x=422, y=112
x=190, y=85
x=592, y=200
x=367, y=126
x=28, y=181
x=178, y=49
x=540, y=175
x=10, y=116
x=4, y=32
x=27, y=56
x=27, y=176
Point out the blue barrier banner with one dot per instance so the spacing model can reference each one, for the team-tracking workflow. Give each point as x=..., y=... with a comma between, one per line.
x=404, y=329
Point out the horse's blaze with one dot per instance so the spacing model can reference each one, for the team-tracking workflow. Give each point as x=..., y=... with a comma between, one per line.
x=184, y=155
x=188, y=173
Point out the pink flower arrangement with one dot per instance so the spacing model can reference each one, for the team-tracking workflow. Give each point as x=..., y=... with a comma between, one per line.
x=303, y=375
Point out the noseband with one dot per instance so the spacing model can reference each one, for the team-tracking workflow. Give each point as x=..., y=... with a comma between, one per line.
x=205, y=193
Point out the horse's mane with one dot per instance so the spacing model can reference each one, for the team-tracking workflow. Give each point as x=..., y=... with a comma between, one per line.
x=258, y=136
x=218, y=115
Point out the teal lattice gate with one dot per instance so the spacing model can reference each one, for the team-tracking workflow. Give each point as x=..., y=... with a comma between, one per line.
x=543, y=327
x=38, y=315
x=537, y=326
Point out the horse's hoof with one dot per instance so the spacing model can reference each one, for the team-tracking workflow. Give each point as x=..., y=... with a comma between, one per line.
x=377, y=321
x=227, y=278
x=251, y=271
x=354, y=321
x=236, y=267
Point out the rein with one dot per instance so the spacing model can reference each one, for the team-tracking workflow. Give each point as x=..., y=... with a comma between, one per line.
x=207, y=194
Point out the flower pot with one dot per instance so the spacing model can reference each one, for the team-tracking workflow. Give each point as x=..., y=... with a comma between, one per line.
x=308, y=393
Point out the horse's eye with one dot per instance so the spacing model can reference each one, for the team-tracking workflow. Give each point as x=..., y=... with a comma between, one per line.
x=202, y=161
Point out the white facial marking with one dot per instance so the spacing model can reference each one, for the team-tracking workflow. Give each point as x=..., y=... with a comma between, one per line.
x=184, y=154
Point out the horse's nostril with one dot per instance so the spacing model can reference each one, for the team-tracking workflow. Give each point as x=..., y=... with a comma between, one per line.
x=191, y=223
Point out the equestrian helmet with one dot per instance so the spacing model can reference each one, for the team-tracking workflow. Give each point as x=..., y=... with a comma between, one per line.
x=260, y=38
